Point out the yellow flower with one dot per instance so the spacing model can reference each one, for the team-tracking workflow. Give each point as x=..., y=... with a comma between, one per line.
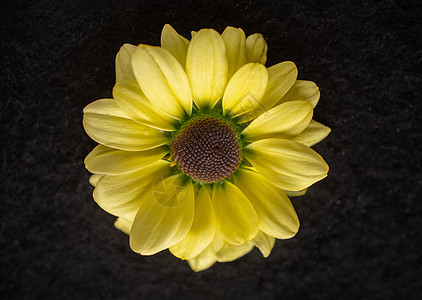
x=201, y=144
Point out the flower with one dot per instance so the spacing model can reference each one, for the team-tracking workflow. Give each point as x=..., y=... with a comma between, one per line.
x=201, y=144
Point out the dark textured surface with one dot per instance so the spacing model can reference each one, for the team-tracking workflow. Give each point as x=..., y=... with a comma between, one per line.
x=360, y=228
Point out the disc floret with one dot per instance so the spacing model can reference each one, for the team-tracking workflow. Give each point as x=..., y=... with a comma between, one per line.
x=207, y=148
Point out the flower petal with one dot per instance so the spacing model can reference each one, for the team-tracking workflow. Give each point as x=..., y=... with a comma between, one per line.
x=171, y=191
x=313, y=134
x=206, y=67
x=231, y=252
x=204, y=260
x=235, y=42
x=201, y=234
x=264, y=242
x=162, y=80
x=174, y=43
x=123, y=225
x=287, y=164
x=283, y=121
x=281, y=77
x=276, y=215
x=124, y=62
x=236, y=218
x=157, y=227
x=93, y=180
x=130, y=98
x=245, y=89
x=256, y=48
x=121, y=195
x=295, y=193
x=303, y=90
x=110, y=161
x=108, y=125
x=227, y=252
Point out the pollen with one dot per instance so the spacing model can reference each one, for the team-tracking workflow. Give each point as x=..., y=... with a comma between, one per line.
x=207, y=150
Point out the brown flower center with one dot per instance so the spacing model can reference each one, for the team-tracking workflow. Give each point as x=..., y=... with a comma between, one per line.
x=207, y=150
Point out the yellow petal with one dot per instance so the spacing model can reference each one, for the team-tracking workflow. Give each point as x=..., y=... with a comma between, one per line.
x=264, y=242
x=283, y=121
x=281, y=77
x=256, y=48
x=157, y=227
x=219, y=250
x=236, y=218
x=295, y=193
x=121, y=195
x=108, y=125
x=231, y=252
x=303, y=90
x=245, y=89
x=123, y=225
x=204, y=260
x=206, y=67
x=162, y=80
x=174, y=43
x=287, y=164
x=93, y=180
x=124, y=62
x=313, y=134
x=130, y=98
x=110, y=161
x=202, y=231
x=218, y=241
x=235, y=42
x=171, y=191
x=276, y=215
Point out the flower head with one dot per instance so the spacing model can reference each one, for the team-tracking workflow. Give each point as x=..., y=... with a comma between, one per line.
x=201, y=144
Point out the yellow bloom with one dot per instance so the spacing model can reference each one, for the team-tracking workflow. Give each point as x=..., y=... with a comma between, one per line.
x=201, y=144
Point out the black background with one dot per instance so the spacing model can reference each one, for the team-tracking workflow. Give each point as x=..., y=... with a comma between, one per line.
x=360, y=228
